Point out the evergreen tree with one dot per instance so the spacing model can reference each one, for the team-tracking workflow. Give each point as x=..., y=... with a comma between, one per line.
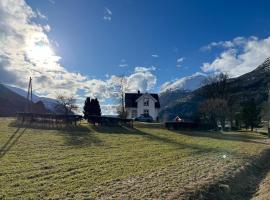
x=96, y=107
x=87, y=108
x=250, y=114
x=91, y=107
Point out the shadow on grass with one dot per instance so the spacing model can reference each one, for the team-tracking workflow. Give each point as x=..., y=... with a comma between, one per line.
x=163, y=140
x=234, y=136
x=44, y=126
x=79, y=135
x=13, y=139
x=243, y=184
x=115, y=130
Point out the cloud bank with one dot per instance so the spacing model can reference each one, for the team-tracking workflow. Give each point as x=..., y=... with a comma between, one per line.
x=26, y=50
x=239, y=56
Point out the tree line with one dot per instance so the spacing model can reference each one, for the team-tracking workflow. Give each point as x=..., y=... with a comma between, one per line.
x=220, y=107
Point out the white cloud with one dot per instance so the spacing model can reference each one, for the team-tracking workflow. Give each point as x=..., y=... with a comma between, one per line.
x=241, y=55
x=109, y=109
x=155, y=55
x=107, y=14
x=238, y=41
x=144, y=69
x=123, y=65
x=52, y=1
x=185, y=83
x=40, y=15
x=107, y=18
x=26, y=50
x=47, y=28
x=108, y=11
x=141, y=79
x=179, y=61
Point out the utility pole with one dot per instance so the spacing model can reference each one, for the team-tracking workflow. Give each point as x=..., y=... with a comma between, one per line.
x=122, y=95
x=29, y=97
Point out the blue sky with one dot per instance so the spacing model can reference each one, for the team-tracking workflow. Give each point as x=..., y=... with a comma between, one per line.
x=138, y=29
x=78, y=47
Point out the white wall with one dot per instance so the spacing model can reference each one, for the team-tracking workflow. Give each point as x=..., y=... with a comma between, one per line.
x=152, y=110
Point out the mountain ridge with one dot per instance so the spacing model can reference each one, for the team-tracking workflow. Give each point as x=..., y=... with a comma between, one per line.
x=49, y=103
x=12, y=103
x=252, y=84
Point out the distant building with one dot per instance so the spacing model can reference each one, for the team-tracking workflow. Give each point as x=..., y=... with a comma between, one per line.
x=138, y=103
x=178, y=119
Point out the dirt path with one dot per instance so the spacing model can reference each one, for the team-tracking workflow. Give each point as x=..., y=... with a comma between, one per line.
x=263, y=192
x=249, y=182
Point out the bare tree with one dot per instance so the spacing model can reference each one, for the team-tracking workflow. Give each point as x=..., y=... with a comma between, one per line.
x=122, y=113
x=215, y=87
x=214, y=111
x=215, y=107
x=66, y=104
x=121, y=90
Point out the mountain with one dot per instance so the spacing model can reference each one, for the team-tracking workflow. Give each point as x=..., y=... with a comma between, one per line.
x=22, y=92
x=254, y=84
x=48, y=102
x=179, y=91
x=11, y=103
x=170, y=98
x=189, y=83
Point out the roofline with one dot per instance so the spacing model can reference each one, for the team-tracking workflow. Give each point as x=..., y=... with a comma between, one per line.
x=140, y=93
x=155, y=100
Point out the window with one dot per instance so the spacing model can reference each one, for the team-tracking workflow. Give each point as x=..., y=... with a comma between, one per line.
x=146, y=112
x=133, y=113
x=146, y=102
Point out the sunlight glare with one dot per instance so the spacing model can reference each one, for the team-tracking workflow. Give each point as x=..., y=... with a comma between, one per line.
x=40, y=52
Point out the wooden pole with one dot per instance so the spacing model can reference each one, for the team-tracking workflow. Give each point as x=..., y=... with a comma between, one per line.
x=28, y=96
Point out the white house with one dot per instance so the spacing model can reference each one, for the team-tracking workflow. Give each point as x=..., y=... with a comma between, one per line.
x=138, y=103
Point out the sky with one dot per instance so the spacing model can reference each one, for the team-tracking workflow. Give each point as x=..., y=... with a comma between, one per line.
x=80, y=47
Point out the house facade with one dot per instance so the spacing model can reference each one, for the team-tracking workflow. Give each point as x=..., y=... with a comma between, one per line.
x=138, y=103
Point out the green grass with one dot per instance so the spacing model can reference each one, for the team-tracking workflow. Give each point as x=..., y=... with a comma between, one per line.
x=144, y=162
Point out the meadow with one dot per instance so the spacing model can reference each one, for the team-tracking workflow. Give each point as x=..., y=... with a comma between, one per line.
x=144, y=162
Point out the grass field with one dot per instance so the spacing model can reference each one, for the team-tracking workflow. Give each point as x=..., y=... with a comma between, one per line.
x=108, y=163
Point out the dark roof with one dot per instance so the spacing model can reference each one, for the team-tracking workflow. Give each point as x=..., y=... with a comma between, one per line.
x=130, y=99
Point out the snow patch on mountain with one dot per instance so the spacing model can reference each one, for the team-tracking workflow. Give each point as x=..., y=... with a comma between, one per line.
x=189, y=83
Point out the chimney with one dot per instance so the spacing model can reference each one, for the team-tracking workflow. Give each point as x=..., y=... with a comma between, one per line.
x=139, y=92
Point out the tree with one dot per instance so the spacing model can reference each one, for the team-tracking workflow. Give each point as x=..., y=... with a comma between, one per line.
x=215, y=107
x=215, y=87
x=214, y=111
x=96, y=107
x=91, y=107
x=121, y=89
x=87, y=107
x=122, y=113
x=251, y=114
x=66, y=104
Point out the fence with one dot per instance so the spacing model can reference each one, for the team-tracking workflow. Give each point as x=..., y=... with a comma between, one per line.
x=48, y=119
x=109, y=121
x=188, y=125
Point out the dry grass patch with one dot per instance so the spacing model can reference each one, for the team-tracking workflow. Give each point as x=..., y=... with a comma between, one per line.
x=140, y=163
